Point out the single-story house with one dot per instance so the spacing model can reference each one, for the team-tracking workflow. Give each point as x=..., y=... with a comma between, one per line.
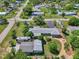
x=30, y=47
x=26, y=47
x=13, y=5
x=46, y=31
x=18, y=1
x=22, y=39
x=76, y=6
x=1, y=21
x=37, y=46
x=68, y=13
x=3, y=13
x=38, y=6
x=72, y=28
x=36, y=13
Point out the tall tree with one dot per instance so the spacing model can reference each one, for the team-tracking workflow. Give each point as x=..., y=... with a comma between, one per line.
x=39, y=20
x=6, y=3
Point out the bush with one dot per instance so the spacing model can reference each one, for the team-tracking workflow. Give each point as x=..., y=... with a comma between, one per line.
x=74, y=21
x=54, y=47
x=13, y=43
x=69, y=7
x=76, y=55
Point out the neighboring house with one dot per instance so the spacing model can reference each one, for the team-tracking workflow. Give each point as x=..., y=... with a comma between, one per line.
x=72, y=28
x=76, y=6
x=30, y=47
x=67, y=13
x=3, y=13
x=37, y=7
x=37, y=31
x=57, y=6
x=26, y=47
x=1, y=21
x=18, y=2
x=22, y=39
x=37, y=13
x=13, y=5
x=37, y=47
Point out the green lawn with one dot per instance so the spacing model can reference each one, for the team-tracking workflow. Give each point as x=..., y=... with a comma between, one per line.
x=11, y=14
x=2, y=9
x=2, y=27
x=18, y=30
x=46, y=46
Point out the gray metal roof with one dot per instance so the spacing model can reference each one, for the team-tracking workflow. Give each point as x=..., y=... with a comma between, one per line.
x=52, y=31
x=37, y=13
x=50, y=24
x=26, y=46
x=37, y=45
x=1, y=21
x=29, y=47
x=72, y=28
x=3, y=13
x=23, y=38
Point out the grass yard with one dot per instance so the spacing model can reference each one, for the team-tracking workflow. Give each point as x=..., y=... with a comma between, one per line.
x=46, y=46
x=2, y=27
x=18, y=30
x=2, y=9
x=11, y=14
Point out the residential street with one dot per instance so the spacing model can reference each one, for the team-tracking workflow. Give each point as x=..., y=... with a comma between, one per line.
x=11, y=23
x=6, y=30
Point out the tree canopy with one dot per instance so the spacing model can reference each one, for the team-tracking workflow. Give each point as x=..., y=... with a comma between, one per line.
x=18, y=55
x=39, y=20
x=54, y=47
x=74, y=21
x=76, y=55
x=69, y=7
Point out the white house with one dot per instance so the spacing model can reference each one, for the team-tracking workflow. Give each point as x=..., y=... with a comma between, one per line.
x=30, y=47
x=36, y=13
x=3, y=13
x=22, y=39
x=76, y=6
x=68, y=13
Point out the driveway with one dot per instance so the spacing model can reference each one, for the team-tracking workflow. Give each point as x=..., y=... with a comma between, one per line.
x=62, y=52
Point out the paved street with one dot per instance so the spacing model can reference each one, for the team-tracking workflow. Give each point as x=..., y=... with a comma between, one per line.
x=6, y=30
x=11, y=23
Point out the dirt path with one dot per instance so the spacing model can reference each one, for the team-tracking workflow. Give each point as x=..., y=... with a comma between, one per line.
x=62, y=52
